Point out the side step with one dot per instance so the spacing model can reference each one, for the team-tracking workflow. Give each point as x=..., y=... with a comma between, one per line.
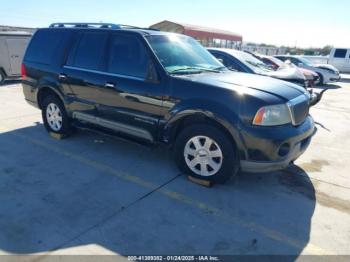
x=115, y=126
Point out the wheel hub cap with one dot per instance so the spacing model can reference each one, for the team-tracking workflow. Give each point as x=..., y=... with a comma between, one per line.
x=203, y=156
x=54, y=117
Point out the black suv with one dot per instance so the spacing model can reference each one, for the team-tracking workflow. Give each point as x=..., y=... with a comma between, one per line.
x=164, y=87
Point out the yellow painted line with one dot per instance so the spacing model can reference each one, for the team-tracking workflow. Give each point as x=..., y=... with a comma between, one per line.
x=270, y=233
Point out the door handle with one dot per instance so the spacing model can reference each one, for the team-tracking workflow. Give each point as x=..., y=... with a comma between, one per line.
x=62, y=77
x=110, y=85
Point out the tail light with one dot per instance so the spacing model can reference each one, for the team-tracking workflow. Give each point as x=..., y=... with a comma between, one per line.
x=23, y=72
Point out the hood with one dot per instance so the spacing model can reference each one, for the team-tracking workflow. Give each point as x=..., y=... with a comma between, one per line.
x=308, y=72
x=287, y=73
x=326, y=66
x=234, y=80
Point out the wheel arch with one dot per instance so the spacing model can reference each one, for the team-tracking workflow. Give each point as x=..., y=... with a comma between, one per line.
x=189, y=117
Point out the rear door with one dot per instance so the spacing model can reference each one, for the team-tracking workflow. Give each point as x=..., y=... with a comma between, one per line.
x=82, y=74
x=16, y=48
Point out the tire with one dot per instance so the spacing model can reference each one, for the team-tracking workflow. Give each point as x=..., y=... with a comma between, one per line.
x=2, y=77
x=321, y=82
x=55, y=117
x=218, y=164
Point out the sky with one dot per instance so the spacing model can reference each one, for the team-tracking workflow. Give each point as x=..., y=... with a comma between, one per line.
x=302, y=23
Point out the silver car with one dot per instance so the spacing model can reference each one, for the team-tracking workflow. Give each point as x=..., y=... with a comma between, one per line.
x=327, y=73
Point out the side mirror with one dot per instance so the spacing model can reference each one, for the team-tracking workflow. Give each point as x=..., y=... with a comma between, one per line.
x=220, y=60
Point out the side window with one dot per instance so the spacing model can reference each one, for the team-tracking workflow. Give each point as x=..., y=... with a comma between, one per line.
x=221, y=58
x=87, y=53
x=230, y=64
x=340, y=53
x=234, y=64
x=282, y=58
x=295, y=61
x=127, y=56
x=44, y=45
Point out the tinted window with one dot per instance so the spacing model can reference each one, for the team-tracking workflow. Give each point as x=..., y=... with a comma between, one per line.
x=282, y=58
x=44, y=45
x=89, y=51
x=127, y=56
x=340, y=53
x=295, y=61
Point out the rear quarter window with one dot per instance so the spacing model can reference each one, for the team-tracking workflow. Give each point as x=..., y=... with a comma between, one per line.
x=44, y=45
x=88, y=51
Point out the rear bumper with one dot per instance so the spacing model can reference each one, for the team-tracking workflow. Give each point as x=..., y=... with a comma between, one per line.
x=266, y=155
x=30, y=94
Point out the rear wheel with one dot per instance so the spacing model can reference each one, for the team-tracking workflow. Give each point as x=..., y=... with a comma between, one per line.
x=205, y=152
x=54, y=116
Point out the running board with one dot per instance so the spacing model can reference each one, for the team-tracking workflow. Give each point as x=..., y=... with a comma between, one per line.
x=115, y=126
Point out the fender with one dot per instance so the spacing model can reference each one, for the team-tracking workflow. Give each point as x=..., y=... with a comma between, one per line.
x=53, y=85
x=216, y=112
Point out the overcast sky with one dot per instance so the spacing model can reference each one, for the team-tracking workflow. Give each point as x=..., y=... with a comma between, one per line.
x=305, y=23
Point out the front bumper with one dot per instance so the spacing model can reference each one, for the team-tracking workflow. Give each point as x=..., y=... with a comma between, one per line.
x=264, y=155
x=335, y=78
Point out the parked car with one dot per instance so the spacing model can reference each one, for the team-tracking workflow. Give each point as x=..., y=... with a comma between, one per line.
x=12, y=48
x=311, y=77
x=327, y=73
x=340, y=58
x=244, y=62
x=166, y=88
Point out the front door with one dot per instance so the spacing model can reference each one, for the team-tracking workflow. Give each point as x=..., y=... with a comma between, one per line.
x=130, y=95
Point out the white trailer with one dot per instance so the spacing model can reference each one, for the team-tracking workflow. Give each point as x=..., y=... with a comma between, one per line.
x=12, y=49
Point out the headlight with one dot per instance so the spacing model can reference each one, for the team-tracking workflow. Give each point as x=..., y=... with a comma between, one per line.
x=272, y=115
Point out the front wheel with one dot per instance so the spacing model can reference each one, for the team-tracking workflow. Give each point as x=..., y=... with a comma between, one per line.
x=205, y=152
x=321, y=79
x=55, y=117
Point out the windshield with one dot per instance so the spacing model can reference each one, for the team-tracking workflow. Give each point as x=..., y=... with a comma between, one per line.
x=183, y=55
x=253, y=63
x=304, y=61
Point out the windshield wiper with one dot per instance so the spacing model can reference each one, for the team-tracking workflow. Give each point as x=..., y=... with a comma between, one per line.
x=220, y=68
x=201, y=69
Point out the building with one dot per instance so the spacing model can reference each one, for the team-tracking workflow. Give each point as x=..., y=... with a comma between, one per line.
x=209, y=37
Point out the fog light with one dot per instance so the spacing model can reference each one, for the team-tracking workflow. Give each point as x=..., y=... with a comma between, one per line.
x=284, y=150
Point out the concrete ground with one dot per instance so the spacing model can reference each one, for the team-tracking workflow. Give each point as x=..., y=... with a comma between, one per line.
x=94, y=194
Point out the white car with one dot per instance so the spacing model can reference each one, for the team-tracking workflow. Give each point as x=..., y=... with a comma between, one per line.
x=326, y=72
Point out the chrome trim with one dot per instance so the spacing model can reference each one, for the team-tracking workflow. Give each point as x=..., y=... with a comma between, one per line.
x=103, y=73
x=116, y=126
x=295, y=101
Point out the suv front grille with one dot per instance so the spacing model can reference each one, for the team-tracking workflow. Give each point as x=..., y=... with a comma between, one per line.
x=299, y=109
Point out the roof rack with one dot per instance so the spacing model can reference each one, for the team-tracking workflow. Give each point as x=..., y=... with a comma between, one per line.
x=96, y=25
x=85, y=25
